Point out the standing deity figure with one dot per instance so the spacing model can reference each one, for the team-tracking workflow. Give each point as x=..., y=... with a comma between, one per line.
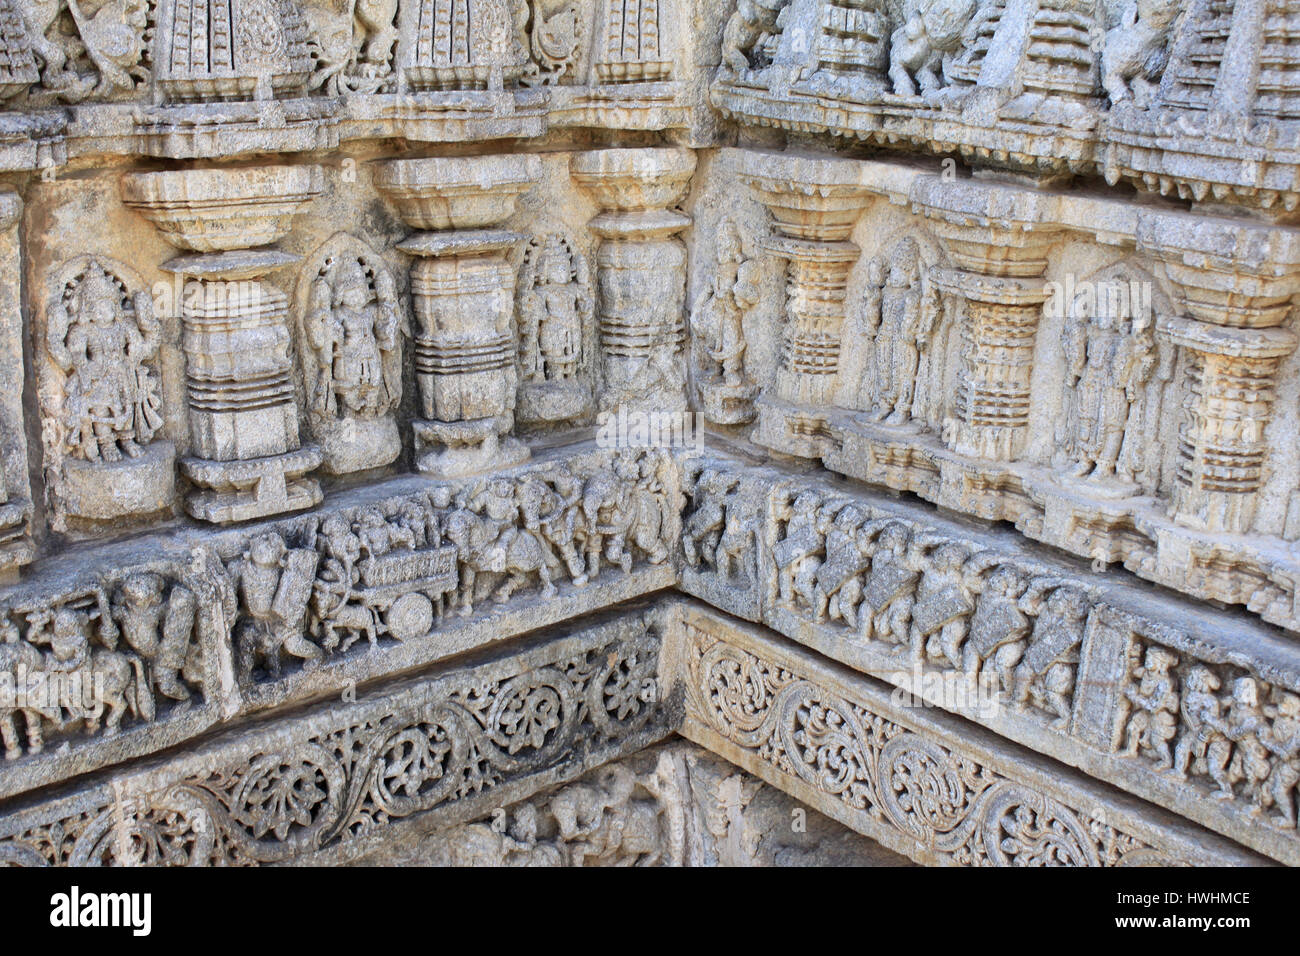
x=902, y=313
x=355, y=326
x=717, y=323
x=102, y=339
x=352, y=329
x=1109, y=355
x=556, y=308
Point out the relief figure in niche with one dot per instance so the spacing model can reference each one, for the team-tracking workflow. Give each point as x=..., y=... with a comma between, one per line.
x=89, y=48
x=717, y=324
x=353, y=330
x=353, y=43
x=100, y=392
x=556, y=309
x=1110, y=355
x=556, y=38
x=902, y=310
x=102, y=339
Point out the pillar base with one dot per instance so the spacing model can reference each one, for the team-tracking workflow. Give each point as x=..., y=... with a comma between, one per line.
x=231, y=491
x=454, y=449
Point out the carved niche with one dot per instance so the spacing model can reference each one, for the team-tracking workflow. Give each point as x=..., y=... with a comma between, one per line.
x=555, y=311
x=350, y=346
x=899, y=313
x=1113, y=390
x=718, y=333
x=100, y=395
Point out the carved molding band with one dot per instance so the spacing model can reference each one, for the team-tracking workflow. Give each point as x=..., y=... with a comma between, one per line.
x=911, y=780
x=332, y=781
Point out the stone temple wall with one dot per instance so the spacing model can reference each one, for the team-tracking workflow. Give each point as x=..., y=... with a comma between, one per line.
x=421, y=415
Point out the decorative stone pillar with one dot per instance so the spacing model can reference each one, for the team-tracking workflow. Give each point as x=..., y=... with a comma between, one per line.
x=815, y=204
x=463, y=289
x=998, y=237
x=1231, y=331
x=641, y=273
x=16, y=547
x=247, y=460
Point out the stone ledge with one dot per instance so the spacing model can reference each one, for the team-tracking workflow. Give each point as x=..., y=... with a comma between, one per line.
x=916, y=780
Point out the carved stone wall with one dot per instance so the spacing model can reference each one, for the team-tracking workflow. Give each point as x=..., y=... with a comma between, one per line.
x=342, y=340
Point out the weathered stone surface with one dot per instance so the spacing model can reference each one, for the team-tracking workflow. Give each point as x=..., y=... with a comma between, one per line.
x=331, y=782
x=341, y=340
x=1197, y=715
x=921, y=785
x=674, y=804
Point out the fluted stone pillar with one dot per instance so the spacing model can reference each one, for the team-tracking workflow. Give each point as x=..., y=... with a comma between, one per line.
x=815, y=205
x=463, y=289
x=998, y=237
x=246, y=458
x=641, y=273
x=1231, y=328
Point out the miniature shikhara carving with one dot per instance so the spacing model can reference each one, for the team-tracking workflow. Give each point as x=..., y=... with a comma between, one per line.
x=231, y=49
x=555, y=311
x=101, y=394
x=351, y=341
x=631, y=43
x=717, y=324
x=456, y=46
